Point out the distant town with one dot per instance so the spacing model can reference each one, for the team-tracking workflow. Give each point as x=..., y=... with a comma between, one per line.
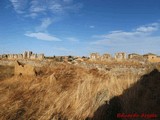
x=120, y=56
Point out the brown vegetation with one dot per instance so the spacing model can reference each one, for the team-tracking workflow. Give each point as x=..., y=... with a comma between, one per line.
x=64, y=91
x=6, y=72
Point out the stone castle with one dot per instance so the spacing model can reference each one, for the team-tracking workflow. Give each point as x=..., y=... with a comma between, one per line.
x=25, y=55
x=121, y=56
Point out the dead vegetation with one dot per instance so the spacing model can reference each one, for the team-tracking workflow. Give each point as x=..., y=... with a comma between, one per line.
x=6, y=72
x=60, y=92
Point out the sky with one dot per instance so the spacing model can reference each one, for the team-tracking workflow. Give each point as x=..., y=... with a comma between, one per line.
x=79, y=27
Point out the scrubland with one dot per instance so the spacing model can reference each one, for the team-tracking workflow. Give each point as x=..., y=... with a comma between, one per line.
x=63, y=91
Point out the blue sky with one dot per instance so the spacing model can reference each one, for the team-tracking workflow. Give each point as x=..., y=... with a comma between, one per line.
x=79, y=27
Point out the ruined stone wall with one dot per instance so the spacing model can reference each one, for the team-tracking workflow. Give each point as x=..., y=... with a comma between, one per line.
x=25, y=55
x=120, y=56
x=24, y=69
x=10, y=56
x=33, y=56
x=105, y=57
x=132, y=56
x=20, y=56
x=153, y=59
x=15, y=56
x=40, y=56
x=94, y=56
x=29, y=53
x=4, y=56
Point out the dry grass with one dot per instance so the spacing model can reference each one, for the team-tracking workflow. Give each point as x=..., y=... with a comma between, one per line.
x=112, y=63
x=6, y=72
x=58, y=92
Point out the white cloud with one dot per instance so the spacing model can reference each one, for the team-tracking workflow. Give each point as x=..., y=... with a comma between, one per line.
x=37, y=9
x=44, y=7
x=142, y=39
x=148, y=28
x=56, y=8
x=46, y=22
x=37, y=6
x=32, y=15
x=139, y=35
x=19, y=5
x=42, y=36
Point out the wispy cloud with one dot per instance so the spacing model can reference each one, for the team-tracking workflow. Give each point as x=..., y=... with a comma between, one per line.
x=46, y=22
x=42, y=7
x=55, y=9
x=148, y=28
x=72, y=39
x=31, y=15
x=19, y=5
x=138, y=35
x=42, y=36
x=141, y=38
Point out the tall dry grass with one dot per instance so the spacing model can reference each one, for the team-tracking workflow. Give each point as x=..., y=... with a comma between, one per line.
x=61, y=92
x=6, y=72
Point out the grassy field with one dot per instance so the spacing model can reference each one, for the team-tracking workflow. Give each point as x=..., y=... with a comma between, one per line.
x=68, y=92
